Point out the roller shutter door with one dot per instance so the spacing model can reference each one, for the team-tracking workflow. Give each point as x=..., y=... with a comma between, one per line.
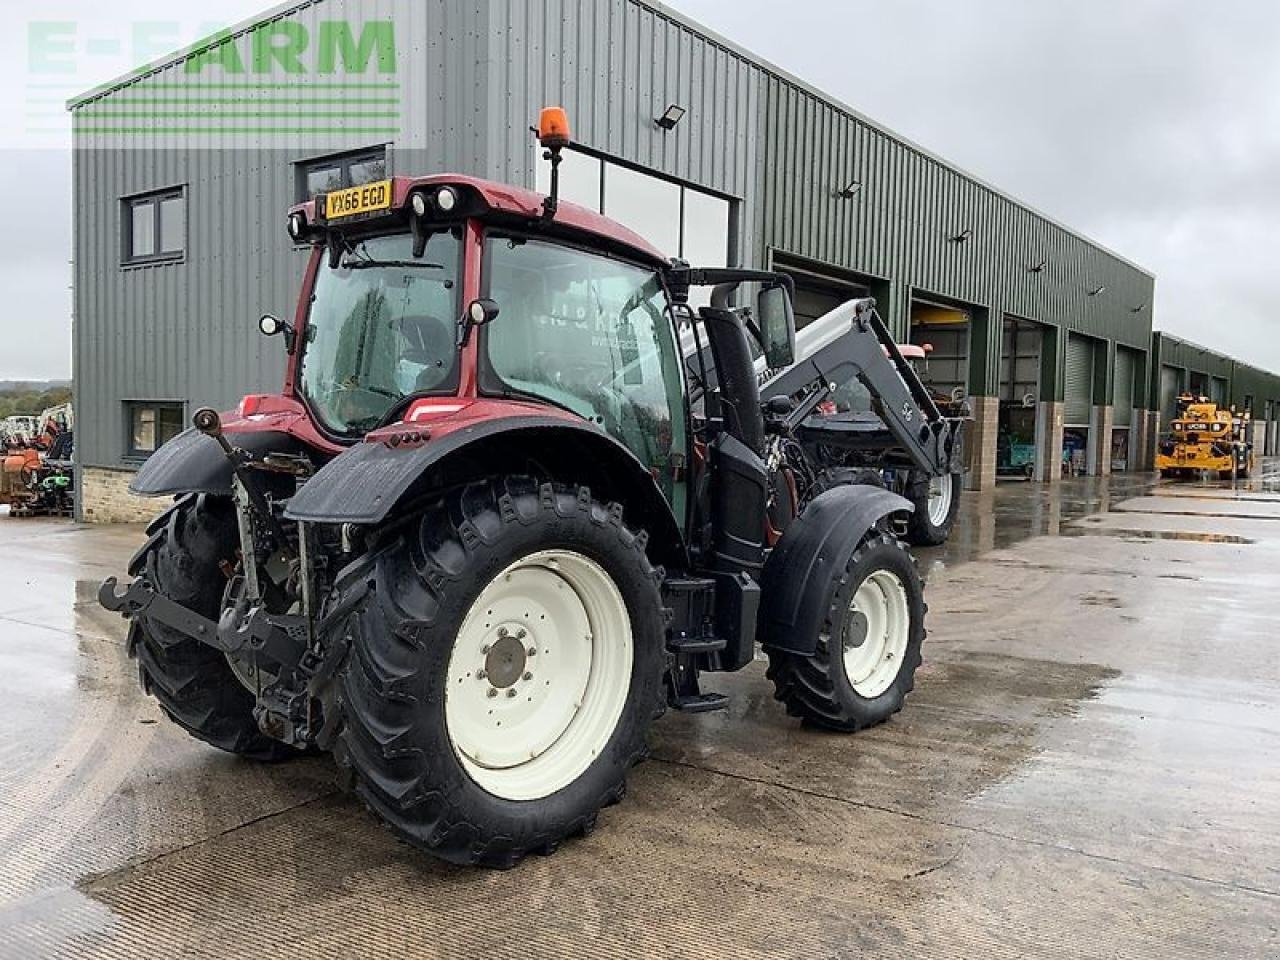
x=1126, y=371
x=1219, y=391
x=1079, y=391
x=1170, y=386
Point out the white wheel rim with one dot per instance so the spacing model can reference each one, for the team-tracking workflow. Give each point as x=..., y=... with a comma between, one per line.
x=875, y=634
x=524, y=726
x=939, y=499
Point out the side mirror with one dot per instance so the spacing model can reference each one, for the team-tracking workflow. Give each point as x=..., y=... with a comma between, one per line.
x=479, y=313
x=777, y=327
x=271, y=326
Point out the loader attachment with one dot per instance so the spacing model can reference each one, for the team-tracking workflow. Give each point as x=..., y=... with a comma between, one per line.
x=866, y=351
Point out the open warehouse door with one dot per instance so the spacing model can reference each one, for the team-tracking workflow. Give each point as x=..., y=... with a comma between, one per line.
x=1078, y=409
x=820, y=288
x=944, y=330
x=1124, y=419
x=1018, y=446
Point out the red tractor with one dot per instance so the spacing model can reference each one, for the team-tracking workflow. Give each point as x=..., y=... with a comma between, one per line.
x=493, y=523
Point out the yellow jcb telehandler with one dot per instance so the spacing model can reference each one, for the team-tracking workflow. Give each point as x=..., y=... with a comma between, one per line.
x=1205, y=436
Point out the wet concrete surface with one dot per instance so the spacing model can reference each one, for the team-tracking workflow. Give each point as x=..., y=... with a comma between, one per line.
x=1089, y=767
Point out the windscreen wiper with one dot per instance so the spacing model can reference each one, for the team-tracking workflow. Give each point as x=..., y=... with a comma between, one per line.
x=369, y=264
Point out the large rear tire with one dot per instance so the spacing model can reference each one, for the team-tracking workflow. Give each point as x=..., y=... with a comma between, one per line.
x=869, y=647
x=184, y=559
x=937, y=503
x=504, y=671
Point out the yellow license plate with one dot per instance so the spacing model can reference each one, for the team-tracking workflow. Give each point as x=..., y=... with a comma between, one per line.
x=369, y=198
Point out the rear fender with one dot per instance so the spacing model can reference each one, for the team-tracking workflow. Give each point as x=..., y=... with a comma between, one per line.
x=368, y=483
x=801, y=574
x=194, y=463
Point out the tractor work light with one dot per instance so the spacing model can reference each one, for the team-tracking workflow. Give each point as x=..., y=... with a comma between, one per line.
x=419, y=204
x=447, y=199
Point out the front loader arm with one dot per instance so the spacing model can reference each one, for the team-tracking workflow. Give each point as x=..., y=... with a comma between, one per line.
x=865, y=350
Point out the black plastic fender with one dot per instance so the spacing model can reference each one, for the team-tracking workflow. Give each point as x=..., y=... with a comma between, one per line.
x=194, y=463
x=799, y=577
x=364, y=484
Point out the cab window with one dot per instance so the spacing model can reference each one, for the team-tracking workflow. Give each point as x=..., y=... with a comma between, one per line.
x=590, y=334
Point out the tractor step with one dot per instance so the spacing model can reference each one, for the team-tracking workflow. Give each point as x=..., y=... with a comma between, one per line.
x=691, y=645
x=698, y=702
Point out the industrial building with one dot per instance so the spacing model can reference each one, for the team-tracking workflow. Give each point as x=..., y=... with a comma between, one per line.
x=712, y=154
x=1179, y=366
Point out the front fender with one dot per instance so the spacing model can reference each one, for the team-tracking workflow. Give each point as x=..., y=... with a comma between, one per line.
x=801, y=574
x=364, y=484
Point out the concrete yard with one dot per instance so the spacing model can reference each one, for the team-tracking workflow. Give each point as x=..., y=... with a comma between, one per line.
x=1089, y=767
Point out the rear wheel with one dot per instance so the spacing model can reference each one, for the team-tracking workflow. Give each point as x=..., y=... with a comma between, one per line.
x=504, y=671
x=869, y=647
x=195, y=685
x=937, y=502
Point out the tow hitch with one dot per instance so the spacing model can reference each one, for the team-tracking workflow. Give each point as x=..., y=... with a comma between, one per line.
x=243, y=628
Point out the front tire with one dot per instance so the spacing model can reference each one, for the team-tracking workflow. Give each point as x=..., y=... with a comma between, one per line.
x=937, y=503
x=465, y=743
x=184, y=560
x=869, y=647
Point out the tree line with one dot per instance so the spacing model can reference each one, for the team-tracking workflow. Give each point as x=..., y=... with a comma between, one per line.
x=31, y=402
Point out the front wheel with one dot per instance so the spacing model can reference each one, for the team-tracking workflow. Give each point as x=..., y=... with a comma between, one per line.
x=504, y=673
x=937, y=503
x=866, y=657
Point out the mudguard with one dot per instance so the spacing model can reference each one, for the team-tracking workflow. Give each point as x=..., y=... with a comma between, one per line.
x=363, y=484
x=799, y=578
x=194, y=463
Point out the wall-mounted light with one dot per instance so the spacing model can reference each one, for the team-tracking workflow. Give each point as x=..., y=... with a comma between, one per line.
x=964, y=236
x=671, y=116
x=1098, y=290
x=850, y=191
x=1038, y=267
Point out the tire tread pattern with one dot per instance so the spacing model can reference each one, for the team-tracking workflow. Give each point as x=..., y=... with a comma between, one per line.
x=804, y=685
x=379, y=747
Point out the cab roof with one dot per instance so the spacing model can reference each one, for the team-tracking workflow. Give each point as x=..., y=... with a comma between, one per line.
x=522, y=204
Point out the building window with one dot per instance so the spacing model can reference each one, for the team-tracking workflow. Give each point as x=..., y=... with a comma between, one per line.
x=155, y=227
x=326, y=174
x=150, y=425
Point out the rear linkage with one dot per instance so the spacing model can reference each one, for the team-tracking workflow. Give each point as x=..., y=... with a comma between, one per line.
x=297, y=641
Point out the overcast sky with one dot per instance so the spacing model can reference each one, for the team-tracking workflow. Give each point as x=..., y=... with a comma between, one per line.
x=1153, y=127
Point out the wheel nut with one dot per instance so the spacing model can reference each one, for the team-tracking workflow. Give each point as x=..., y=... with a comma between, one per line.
x=493, y=692
x=484, y=651
x=511, y=691
x=532, y=651
x=502, y=632
x=528, y=676
x=480, y=674
x=521, y=633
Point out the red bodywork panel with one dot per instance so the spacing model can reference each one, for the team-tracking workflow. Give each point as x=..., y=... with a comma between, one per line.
x=273, y=412
x=434, y=417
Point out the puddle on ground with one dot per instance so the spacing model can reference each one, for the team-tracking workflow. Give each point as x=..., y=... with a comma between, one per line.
x=1124, y=533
